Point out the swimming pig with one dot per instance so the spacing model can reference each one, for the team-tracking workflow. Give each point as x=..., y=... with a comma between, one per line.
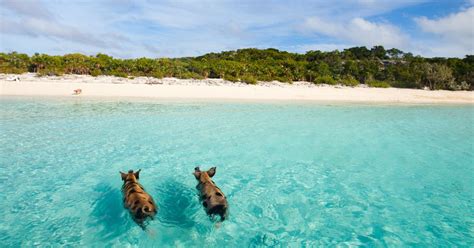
x=213, y=200
x=139, y=203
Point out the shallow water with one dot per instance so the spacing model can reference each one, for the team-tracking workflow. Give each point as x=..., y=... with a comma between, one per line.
x=297, y=174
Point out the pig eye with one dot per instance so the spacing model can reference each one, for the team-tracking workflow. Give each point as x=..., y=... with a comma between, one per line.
x=219, y=194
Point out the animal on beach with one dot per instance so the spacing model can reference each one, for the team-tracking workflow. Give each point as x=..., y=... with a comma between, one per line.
x=140, y=204
x=77, y=92
x=213, y=199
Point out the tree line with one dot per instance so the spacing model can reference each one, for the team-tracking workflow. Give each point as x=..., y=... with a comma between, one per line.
x=375, y=67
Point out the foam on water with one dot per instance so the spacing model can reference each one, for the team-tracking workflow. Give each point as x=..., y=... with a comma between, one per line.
x=300, y=174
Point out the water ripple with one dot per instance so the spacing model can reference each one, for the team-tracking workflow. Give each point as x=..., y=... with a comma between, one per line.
x=297, y=175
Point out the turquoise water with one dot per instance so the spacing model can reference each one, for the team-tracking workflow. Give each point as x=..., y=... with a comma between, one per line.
x=297, y=174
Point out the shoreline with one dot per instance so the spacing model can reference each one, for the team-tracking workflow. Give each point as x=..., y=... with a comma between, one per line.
x=217, y=89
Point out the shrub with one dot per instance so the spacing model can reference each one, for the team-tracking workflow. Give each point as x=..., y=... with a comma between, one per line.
x=349, y=81
x=50, y=72
x=230, y=78
x=198, y=76
x=96, y=72
x=189, y=75
x=264, y=78
x=119, y=74
x=325, y=80
x=284, y=80
x=378, y=84
x=403, y=84
x=248, y=79
x=157, y=74
x=12, y=70
x=453, y=85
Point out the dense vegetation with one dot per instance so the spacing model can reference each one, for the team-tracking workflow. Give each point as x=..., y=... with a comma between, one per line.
x=376, y=67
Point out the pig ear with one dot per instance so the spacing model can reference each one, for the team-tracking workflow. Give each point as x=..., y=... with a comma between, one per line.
x=197, y=172
x=137, y=174
x=212, y=171
x=123, y=175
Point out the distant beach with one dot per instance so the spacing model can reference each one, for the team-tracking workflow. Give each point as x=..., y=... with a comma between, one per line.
x=29, y=84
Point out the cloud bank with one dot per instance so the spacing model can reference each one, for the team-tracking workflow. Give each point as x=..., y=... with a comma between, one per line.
x=126, y=28
x=359, y=31
x=454, y=33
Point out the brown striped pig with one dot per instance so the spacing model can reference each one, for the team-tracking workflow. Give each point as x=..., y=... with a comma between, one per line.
x=136, y=199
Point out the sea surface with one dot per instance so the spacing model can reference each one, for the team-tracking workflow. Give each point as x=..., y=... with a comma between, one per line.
x=295, y=174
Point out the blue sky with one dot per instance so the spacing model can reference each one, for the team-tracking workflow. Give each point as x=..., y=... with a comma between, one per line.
x=129, y=29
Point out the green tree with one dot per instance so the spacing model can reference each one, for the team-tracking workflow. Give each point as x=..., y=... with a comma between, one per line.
x=436, y=76
x=379, y=52
x=376, y=67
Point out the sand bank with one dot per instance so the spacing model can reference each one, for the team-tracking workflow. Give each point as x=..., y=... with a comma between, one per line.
x=30, y=85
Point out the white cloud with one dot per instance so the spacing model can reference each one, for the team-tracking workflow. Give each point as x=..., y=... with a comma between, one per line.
x=32, y=19
x=358, y=31
x=127, y=28
x=37, y=27
x=455, y=30
x=318, y=25
x=29, y=8
x=455, y=27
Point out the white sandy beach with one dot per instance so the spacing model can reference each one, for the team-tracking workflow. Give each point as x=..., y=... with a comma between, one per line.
x=106, y=86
